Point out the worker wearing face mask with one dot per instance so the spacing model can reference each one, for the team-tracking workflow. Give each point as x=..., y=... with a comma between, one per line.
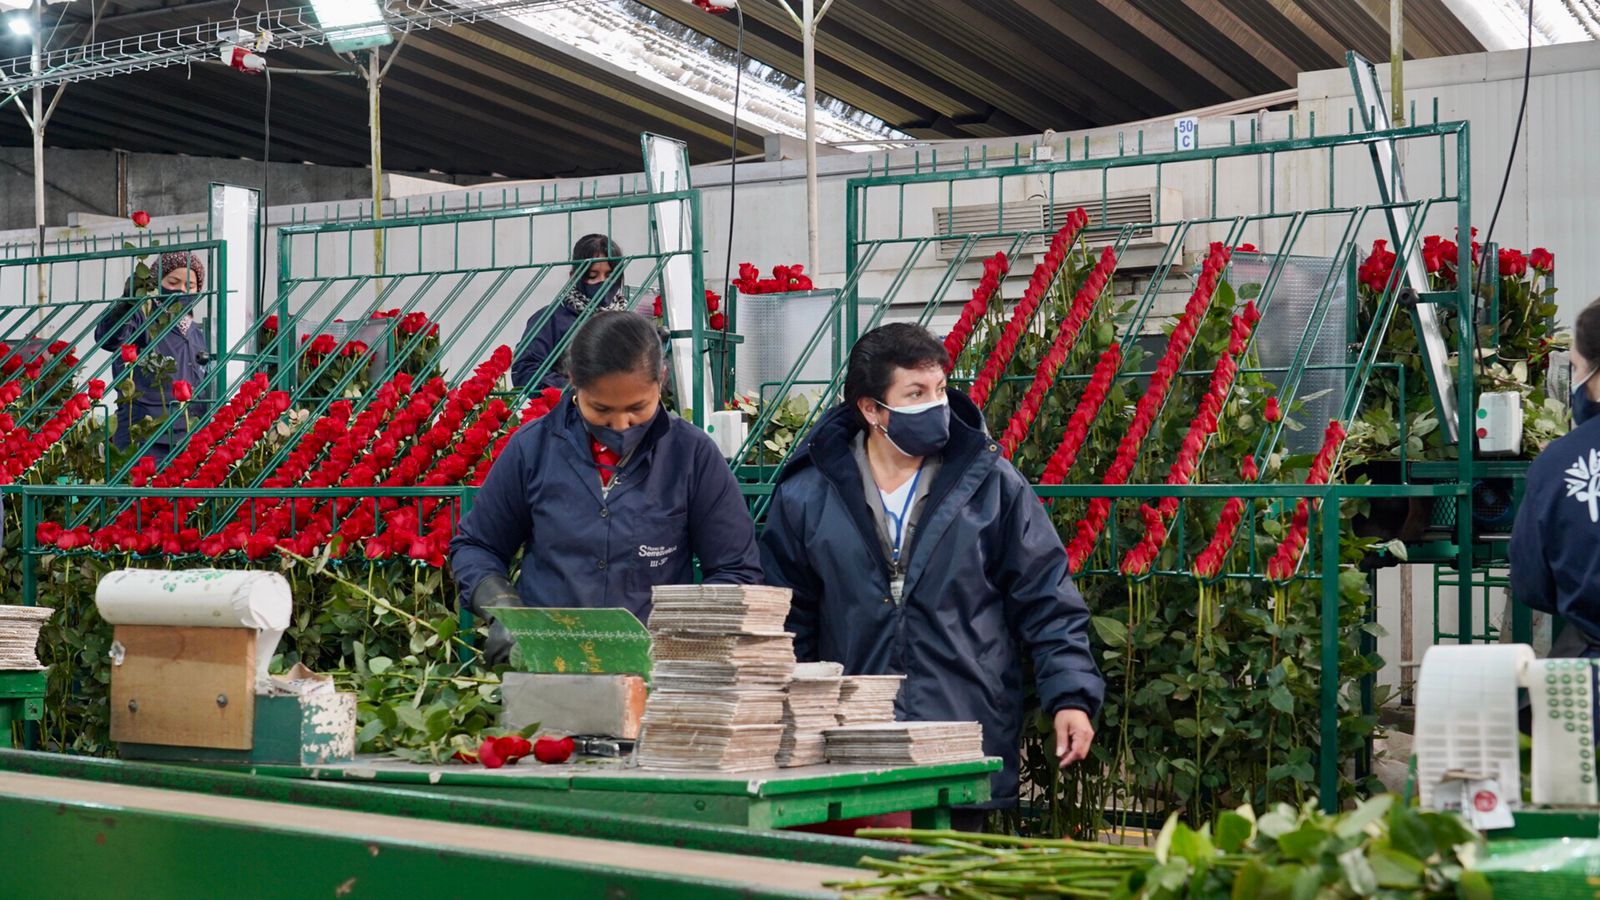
x=597, y=282
x=606, y=497
x=914, y=548
x=171, y=349
x=1555, y=544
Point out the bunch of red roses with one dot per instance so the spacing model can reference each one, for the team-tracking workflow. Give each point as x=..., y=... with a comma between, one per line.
x=1083, y=416
x=784, y=279
x=1287, y=558
x=1044, y=275
x=994, y=269
x=1066, y=336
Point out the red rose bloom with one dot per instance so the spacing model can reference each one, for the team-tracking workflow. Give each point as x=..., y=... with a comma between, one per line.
x=130, y=354
x=141, y=219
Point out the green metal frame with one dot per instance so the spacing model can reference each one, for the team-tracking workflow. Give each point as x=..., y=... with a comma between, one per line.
x=408, y=801
x=21, y=700
x=798, y=797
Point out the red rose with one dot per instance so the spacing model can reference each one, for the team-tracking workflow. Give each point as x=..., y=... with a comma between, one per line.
x=130, y=354
x=1245, y=248
x=718, y=321
x=57, y=347
x=270, y=324
x=141, y=219
x=182, y=391
x=712, y=301
x=1272, y=412
x=323, y=344
x=354, y=348
x=1542, y=260
x=553, y=751
x=656, y=309
x=47, y=533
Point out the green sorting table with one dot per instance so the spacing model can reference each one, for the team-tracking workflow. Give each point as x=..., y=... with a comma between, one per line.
x=777, y=798
x=21, y=699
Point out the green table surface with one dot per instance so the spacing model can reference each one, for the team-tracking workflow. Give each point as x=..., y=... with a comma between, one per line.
x=775, y=798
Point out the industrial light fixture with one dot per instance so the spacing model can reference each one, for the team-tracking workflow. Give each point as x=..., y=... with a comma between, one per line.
x=19, y=24
x=352, y=25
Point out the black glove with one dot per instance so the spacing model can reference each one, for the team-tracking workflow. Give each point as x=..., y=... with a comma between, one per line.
x=491, y=592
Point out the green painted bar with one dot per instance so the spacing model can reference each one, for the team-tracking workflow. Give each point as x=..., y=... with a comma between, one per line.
x=409, y=801
x=78, y=849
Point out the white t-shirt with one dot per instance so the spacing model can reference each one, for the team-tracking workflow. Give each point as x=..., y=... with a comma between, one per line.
x=895, y=504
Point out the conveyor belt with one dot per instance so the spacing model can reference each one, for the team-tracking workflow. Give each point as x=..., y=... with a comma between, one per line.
x=96, y=823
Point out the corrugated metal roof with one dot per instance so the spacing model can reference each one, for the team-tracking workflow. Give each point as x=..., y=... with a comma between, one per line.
x=487, y=99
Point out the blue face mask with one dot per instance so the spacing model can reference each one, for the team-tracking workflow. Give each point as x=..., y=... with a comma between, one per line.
x=623, y=442
x=1583, y=408
x=921, y=430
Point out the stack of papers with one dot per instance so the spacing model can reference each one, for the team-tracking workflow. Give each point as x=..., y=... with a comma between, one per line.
x=719, y=665
x=865, y=699
x=19, y=636
x=905, y=743
x=810, y=707
x=729, y=609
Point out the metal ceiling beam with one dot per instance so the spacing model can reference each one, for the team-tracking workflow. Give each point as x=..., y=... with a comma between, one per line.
x=1174, y=46
x=680, y=124
x=1246, y=38
x=762, y=44
x=1066, y=19
x=976, y=22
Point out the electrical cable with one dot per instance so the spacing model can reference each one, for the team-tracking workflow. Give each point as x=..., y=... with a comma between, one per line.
x=1488, y=236
x=733, y=145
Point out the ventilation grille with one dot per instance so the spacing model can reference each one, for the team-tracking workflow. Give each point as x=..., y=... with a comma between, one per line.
x=1106, y=221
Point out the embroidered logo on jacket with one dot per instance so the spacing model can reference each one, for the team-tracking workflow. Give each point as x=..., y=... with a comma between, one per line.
x=1583, y=483
x=656, y=555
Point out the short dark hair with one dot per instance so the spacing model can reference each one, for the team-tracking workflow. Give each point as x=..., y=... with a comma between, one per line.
x=880, y=351
x=613, y=342
x=592, y=246
x=1586, y=333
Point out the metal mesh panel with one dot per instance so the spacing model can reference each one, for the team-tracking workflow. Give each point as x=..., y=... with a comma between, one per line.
x=776, y=329
x=1295, y=299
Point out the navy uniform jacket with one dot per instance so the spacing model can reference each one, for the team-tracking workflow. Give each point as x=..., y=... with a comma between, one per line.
x=986, y=578
x=673, y=501
x=539, y=346
x=1555, y=544
x=183, y=348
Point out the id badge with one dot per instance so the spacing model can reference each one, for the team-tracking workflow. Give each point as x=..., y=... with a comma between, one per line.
x=897, y=590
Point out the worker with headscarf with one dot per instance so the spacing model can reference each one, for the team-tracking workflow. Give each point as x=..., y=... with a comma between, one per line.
x=171, y=349
x=593, y=284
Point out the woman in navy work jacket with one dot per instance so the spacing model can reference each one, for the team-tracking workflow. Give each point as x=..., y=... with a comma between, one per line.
x=1555, y=544
x=605, y=497
x=134, y=320
x=913, y=548
x=591, y=278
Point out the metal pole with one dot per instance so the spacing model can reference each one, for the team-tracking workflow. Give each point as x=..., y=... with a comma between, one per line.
x=1397, y=60
x=375, y=129
x=36, y=64
x=808, y=35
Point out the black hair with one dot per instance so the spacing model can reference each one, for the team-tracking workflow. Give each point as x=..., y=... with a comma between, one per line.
x=592, y=246
x=613, y=342
x=880, y=351
x=1586, y=333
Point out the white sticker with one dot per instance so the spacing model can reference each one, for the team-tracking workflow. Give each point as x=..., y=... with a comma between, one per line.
x=1485, y=807
x=1188, y=133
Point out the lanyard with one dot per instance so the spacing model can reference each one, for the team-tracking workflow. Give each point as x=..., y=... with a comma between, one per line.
x=900, y=521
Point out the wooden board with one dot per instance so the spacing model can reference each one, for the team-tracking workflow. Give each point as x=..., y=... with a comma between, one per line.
x=165, y=690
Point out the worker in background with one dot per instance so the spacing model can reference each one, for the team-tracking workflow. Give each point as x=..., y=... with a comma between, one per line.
x=594, y=257
x=142, y=322
x=914, y=548
x=606, y=497
x=1555, y=544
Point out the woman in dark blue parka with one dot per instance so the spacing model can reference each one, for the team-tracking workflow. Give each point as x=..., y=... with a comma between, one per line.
x=593, y=256
x=606, y=497
x=913, y=548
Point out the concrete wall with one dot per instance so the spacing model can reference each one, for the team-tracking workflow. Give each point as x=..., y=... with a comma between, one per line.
x=85, y=181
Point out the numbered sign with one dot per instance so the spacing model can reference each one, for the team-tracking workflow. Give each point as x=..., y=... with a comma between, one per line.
x=1188, y=133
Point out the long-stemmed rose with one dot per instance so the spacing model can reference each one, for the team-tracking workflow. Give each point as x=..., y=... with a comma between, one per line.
x=1044, y=379
x=994, y=269
x=1044, y=275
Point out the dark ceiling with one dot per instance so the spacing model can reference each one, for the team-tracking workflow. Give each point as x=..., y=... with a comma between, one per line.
x=482, y=100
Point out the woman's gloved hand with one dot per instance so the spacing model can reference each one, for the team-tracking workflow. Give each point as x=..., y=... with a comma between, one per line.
x=491, y=592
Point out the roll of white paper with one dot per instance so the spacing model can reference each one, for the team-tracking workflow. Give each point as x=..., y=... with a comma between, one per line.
x=1562, y=692
x=1467, y=720
x=206, y=598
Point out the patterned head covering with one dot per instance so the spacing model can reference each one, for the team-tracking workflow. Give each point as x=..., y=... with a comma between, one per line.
x=190, y=261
